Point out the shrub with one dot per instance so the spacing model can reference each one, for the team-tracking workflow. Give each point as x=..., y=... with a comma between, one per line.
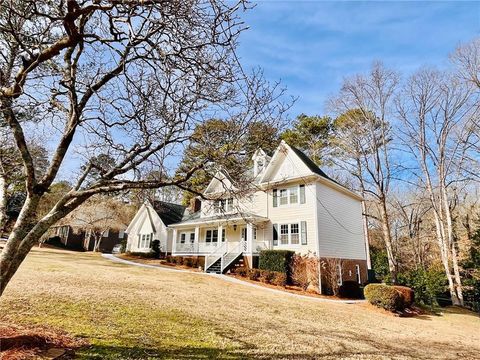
x=188, y=262
x=427, y=284
x=241, y=271
x=180, y=260
x=253, y=274
x=266, y=276
x=407, y=294
x=276, y=260
x=304, y=271
x=123, y=245
x=155, y=248
x=145, y=255
x=279, y=279
x=168, y=259
x=384, y=296
x=350, y=289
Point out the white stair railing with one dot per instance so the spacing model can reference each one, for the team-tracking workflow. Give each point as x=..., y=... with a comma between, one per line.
x=230, y=256
x=211, y=258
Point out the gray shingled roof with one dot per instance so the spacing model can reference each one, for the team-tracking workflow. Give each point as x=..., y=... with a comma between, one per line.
x=169, y=213
x=310, y=164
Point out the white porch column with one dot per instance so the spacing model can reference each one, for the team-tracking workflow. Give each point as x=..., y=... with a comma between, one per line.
x=220, y=228
x=249, y=238
x=196, y=245
x=174, y=241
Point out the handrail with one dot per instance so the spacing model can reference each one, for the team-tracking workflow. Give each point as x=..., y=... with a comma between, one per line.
x=236, y=250
x=214, y=255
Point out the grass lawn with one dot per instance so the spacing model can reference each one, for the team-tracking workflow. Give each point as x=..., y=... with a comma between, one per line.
x=128, y=312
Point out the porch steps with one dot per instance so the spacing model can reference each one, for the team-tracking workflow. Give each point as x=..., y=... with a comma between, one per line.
x=216, y=267
x=231, y=259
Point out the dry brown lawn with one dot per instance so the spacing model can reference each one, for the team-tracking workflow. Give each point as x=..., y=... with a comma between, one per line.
x=127, y=312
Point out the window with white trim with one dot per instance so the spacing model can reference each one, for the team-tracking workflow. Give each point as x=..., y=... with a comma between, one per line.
x=223, y=206
x=357, y=270
x=211, y=236
x=223, y=235
x=293, y=195
x=294, y=234
x=254, y=233
x=192, y=238
x=183, y=236
x=283, y=197
x=339, y=274
x=284, y=234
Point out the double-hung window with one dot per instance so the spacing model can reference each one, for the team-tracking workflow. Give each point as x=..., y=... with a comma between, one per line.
x=284, y=234
x=294, y=234
x=192, y=238
x=293, y=195
x=182, y=238
x=223, y=206
x=289, y=234
x=283, y=197
x=211, y=236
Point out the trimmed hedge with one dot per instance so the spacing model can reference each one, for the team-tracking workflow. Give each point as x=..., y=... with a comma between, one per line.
x=350, y=289
x=384, y=296
x=276, y=260
x=407, y=294
x=146, y=255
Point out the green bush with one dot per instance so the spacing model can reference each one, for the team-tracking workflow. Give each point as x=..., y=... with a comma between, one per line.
x=427, y=284
x=350, y=289
x=407, y=294
x=155, y=248
x=384, y=296
x=276, y=260
x=379, y=259
x=145, y=255
x=279, y=279
x=123, y=245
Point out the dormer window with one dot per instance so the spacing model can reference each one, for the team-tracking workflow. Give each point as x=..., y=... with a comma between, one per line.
x=223, y=206
x=260, y=165
x=260, y=161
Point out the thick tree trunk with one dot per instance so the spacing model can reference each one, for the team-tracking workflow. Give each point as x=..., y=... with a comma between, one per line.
x=3, y=202
x=27, y=232
x=18, y=246
x=387, y=236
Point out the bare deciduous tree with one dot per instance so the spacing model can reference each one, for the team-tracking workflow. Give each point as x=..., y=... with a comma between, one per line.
x=436, y=111
x=128, y=80
x=363, y=134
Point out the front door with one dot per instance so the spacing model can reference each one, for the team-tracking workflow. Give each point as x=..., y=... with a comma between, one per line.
x=243, y=239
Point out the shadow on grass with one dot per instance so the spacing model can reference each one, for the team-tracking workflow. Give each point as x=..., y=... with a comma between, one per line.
x=460, y=311
x=123, y=352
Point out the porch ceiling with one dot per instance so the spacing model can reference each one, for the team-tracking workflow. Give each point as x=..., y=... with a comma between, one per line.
x=233, y=219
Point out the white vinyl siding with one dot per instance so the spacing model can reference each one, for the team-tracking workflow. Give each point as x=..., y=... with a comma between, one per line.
x=340, y=229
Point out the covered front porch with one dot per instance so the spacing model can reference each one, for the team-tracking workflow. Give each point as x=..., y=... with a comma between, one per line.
x=204, y=237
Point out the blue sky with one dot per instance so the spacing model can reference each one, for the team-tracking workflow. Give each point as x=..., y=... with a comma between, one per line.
x=311, y=45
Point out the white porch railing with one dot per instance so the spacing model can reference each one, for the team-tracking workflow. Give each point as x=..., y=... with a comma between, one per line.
x=214, y=256
x=259, y=245
x=203, y=248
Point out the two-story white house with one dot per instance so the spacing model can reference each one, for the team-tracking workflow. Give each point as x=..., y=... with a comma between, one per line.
x=292, y=204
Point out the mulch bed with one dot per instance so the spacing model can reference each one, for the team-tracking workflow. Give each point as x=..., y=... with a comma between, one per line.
x=156, y=262
x=20, y=342
x=288, y=288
